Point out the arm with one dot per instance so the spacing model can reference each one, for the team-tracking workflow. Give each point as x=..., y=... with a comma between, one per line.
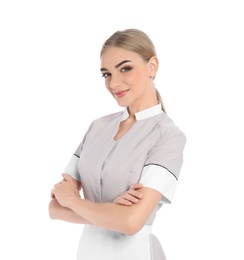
x=132, y=196
x=128, y=220
x=56, y=211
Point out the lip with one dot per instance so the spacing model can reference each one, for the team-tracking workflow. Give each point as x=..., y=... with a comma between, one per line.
x=120, y=94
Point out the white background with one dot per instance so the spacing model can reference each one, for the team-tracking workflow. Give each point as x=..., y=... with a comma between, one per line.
x=51, y=89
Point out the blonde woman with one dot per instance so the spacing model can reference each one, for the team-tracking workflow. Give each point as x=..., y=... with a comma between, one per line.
x=128, y=162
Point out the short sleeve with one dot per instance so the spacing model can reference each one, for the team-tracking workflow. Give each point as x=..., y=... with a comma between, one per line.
x=163, y=164
x=72, y=167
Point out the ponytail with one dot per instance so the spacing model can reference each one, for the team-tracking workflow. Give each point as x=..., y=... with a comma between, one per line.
x=159, y=98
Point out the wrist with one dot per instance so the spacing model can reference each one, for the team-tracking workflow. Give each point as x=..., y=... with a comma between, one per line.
x=73, y=201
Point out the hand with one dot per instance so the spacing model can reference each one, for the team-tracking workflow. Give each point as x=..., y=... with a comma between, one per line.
x=78, y=185
x=65, y=190
x=52, y=194
x=130, y=197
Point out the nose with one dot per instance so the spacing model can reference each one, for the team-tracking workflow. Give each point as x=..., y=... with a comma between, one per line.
x=115, y=81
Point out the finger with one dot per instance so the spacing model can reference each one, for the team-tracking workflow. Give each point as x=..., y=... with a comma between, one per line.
x=122, y=201
x=52, y=194
x=135, y=194
x=57, y=184
x=136, y=186
x=67, y=177
x=130, y=198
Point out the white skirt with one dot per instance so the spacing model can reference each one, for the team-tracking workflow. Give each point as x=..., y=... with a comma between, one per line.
x=100, y=244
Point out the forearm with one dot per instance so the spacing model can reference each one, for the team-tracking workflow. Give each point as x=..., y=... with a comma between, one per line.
x=111, y=216
x=56, y=211
x=108, y=215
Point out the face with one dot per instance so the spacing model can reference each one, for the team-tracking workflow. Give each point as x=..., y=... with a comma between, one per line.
x=129, y=78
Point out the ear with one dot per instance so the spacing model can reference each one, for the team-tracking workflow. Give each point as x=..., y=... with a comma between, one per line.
x=153, y=66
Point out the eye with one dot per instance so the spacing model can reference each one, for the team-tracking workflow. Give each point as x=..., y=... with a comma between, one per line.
x=127, y=68
x=105, y=75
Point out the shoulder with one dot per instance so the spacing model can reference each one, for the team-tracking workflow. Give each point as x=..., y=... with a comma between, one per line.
x=168, y=128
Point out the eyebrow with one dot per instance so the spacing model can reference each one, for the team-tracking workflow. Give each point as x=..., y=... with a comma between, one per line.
x=116, y=66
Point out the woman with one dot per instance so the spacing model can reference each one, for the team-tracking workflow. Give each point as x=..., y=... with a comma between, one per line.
x=128, y=162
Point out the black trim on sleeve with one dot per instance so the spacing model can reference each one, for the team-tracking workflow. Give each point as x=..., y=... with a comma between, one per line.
x=77, y=155
x=162, y=167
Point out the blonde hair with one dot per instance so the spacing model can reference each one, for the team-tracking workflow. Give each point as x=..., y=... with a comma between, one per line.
x=136, y=41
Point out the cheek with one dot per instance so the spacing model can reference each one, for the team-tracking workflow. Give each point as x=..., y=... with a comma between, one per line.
x=141, y=74
x=107, y=84
x=139, y=79
x=133, y=79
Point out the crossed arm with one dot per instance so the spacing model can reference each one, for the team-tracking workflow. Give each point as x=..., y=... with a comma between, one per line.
x=56, y=211
x=125, y=214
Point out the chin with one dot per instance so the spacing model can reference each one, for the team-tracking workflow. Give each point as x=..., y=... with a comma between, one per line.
x=122, y=104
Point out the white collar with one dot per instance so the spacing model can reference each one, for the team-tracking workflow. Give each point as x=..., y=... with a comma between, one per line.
x=146, y=113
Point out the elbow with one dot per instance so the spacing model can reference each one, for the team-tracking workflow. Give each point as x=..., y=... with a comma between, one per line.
x=131, y=231
x=51, y=210
x=51, y=215
x=132, y=227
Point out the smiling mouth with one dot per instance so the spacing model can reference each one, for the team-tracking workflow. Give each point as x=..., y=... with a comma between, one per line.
x=121, y=93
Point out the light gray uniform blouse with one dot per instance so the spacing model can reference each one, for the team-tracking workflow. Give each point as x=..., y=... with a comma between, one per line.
x=151, y=152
